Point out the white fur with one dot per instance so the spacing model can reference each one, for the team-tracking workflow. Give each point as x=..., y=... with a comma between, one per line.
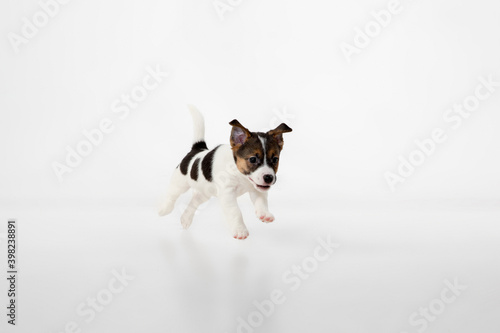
x=228, y=184
x=258, y=175
x=198, y=124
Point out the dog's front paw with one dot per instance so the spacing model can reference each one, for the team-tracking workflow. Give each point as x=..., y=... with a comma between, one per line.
x=264, y=216
x=240, y=233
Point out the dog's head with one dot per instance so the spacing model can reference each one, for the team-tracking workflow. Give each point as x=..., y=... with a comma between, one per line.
x=256, y=154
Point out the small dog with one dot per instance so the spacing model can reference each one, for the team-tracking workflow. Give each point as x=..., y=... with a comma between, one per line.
x=248, y=164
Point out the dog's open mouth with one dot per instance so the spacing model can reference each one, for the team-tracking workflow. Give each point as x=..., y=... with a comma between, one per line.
x=261, y=187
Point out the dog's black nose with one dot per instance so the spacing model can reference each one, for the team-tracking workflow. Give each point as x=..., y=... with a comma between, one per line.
x=268, y=179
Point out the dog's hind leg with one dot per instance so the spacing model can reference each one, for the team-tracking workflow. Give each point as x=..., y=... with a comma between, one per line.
x=188, y=215
x=178, y=185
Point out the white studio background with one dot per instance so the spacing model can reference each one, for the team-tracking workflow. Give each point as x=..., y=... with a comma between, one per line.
x=351, y=120
x=261, y=62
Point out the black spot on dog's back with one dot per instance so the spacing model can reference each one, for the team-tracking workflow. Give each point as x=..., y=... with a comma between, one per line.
x=200, y=145
x=207, y=163
x=194, y=169
x=195, y=149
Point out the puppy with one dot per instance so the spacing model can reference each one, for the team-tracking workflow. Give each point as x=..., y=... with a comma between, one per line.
x=248, y=164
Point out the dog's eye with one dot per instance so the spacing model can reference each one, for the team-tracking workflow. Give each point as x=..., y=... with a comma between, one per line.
x=274, y=160
x=252, y=159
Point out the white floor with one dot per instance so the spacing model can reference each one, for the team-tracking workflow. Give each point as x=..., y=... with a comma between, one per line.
x=390, y=264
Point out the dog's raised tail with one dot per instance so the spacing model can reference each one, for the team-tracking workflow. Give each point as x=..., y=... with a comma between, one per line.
x=198, y=125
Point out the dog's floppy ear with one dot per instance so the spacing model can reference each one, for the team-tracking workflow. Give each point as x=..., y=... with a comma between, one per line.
x=239, y=133
x=277, y=133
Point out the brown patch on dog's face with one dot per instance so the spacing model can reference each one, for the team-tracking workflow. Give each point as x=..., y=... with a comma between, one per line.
x=273, y=150
x=250, y=155
x=252, y=150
